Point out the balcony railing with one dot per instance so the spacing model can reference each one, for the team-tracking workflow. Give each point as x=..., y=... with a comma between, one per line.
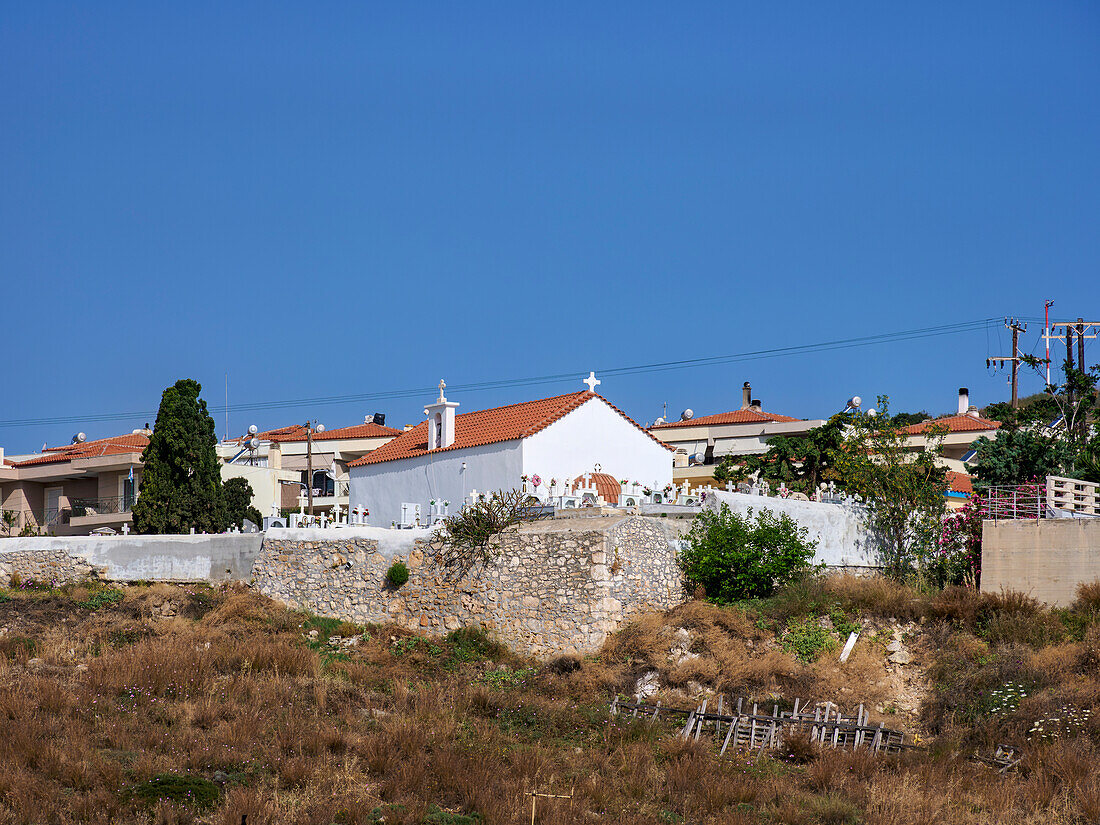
x=108, y=505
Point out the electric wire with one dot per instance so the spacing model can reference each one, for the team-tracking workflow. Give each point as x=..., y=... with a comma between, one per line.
x=482, y=386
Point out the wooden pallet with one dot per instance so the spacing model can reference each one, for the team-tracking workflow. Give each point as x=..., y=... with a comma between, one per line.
x=757, y=729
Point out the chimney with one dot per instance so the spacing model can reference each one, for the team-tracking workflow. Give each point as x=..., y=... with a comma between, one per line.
x=756, y=406
x=746, y=395
x=972, y=411
x=964, y=400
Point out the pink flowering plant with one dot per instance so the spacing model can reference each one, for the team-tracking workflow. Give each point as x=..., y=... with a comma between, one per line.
x=958, y=558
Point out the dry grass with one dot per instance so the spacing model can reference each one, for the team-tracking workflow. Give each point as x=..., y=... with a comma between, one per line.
x=227, y=686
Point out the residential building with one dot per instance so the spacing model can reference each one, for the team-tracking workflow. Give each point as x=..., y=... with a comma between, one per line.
x=451, y=456
x=278, y=464
x=74, y=489
x=700, y=443
x=955, y=433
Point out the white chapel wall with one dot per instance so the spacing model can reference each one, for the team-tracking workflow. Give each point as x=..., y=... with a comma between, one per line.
x=382, y=488
x=594, y=433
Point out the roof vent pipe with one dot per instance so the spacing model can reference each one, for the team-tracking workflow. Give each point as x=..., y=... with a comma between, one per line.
x=746, y=396
x=964, y=400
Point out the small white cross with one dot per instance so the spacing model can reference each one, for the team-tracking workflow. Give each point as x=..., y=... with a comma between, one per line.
x=592, y=381
x=442, y=385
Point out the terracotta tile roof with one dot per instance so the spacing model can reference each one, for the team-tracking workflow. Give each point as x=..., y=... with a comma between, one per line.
x=959, y=482
x=368, y=430
x=954, y=424
x=118, y=445
x=475, y=429
x=607, y=487
x=734, y=417
x=278, y=434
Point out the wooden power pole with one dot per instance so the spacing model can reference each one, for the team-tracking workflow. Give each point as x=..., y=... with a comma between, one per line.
x=1014, y=325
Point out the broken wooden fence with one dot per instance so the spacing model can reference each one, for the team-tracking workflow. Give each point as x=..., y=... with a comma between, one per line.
x=757, y=729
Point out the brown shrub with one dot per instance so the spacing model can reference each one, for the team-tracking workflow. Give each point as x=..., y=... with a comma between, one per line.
x=877, y=596
x=1088, y=597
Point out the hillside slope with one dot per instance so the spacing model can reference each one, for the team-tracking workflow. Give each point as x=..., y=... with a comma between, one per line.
x=174, y=705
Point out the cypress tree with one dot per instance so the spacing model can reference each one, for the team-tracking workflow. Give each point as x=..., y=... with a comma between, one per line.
x=181, y=484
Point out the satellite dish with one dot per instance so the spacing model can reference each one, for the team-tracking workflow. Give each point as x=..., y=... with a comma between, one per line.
x=253, y=429
x=320, y=428
x=687, y=414
x=854, y=402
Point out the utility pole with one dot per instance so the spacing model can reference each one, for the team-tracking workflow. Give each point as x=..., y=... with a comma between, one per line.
x=309, y=468
x=1014, y=325
x=1046, y=335
x=1080, y=343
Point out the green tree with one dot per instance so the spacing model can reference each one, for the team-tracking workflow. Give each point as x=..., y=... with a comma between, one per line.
x=238, y=502
x=801, y=462
x=740, y=557
x=1019, y=456
x=180, y=483
x=1039, y=408
x=905, y=419
x=903, y=489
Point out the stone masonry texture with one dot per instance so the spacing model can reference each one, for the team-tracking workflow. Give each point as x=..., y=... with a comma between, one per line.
x=556, y=587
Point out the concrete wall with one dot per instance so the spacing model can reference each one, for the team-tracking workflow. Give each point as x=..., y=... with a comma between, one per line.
x=557, y=586
x=382, y=488
x=1045, y=558
x=843, y=540
x=595, y=433
x=135, y=558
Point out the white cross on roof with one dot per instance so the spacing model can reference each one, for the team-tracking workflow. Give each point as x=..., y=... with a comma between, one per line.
x=592, y=381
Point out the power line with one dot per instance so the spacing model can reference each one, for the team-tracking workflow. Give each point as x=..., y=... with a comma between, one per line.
x=481, y=386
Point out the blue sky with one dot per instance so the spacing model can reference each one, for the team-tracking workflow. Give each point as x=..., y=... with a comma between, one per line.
x=344, y=199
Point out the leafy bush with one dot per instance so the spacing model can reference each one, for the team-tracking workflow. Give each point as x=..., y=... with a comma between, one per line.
x=807, y=640
x=190, y=790
x=437, y=816
x=398, y=574
x=101, y=597
x=470, y=643
x=744, y=557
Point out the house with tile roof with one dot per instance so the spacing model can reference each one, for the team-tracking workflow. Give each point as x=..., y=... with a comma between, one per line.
x=278, y=466
x=450, y=455
x=77, y=488
x=956, y=433
x=702, y=442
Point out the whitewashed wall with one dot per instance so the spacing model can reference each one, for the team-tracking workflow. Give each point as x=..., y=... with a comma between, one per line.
x=382, y=488
x=594, y=433
x=843, y=541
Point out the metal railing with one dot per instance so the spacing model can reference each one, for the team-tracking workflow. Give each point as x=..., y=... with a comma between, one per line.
x=107, y=505
x=1017, y=501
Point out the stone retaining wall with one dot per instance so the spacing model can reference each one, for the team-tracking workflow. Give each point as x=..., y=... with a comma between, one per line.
x=49, y=566
x=557, y=586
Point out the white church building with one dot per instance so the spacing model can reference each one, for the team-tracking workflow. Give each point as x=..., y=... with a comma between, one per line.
x=543, y=446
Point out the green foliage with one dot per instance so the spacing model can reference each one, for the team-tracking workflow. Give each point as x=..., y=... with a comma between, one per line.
x=199, y=793
x=903, y=490
x=100, y=596
x=1039, y=408
x=238, y=502
x=181, y=484
x=398, y=574
x=741, y=557
x=807, y=639
x=801, y=462
x=907, y=419
x=472, y=643
x=1019, y=457
x=504, y=678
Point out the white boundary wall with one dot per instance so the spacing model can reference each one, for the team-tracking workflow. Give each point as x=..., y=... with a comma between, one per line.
x=843, y=540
